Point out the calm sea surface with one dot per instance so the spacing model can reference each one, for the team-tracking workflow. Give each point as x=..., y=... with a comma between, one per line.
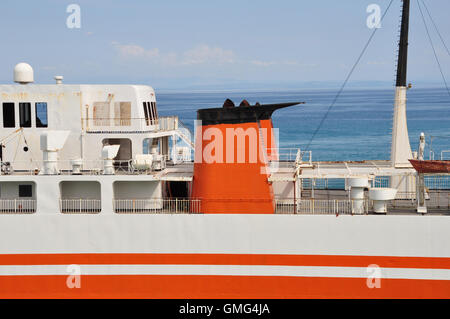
x=357, y=128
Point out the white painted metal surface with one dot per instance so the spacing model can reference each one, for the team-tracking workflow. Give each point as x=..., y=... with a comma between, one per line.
x=357, y=186
x=53, y=232
x=400, y=147
x=380, y=197
x=23, y=73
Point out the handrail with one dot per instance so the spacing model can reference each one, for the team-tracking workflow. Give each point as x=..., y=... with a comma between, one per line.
x=317, y=206
x=17, y=206
x=442, y=154
x=65, y=167
x=157, y=206
x=80, y=206
x=120, y=124
x=290, y=154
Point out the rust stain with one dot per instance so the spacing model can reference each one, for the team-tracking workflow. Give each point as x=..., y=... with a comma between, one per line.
x=15, y=96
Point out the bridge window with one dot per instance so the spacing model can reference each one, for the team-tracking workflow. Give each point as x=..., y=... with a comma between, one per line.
x=150, y=112
x=147, y=118
x=152, y=109
x=101, y=114
x=9, y=119
x=122, y=113
x=41, y=114
x=25, y=114
x=155, y=114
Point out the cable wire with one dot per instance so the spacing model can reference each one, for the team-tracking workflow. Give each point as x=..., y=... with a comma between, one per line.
x=346, y=79
x=432, y=46
x=436, y=28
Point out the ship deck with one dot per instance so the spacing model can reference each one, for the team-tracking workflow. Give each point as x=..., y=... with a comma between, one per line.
x=322, y=185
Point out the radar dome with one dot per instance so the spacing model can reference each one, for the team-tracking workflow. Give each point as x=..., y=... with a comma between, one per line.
x=23, y=73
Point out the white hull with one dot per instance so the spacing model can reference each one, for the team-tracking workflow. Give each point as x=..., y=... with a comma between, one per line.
x=161, y=249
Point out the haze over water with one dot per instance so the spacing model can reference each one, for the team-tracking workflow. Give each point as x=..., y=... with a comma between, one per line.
x=357, y=128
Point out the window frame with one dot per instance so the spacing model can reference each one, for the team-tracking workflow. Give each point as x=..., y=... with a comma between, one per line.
x=23, y=107
x=28, y=192
x=150, y=110
x=9, y=104
x=147, y=119
x=36, y=115
x=154, y=110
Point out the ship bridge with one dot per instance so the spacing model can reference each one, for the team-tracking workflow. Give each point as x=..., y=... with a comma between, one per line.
x=94, y=116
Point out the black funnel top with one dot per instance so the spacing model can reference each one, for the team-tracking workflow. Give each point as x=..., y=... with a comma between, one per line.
x=245, y=113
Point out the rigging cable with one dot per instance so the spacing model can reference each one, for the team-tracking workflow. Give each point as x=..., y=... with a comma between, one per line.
x=436, y=28
x=9, y=137
x=432, y=46
x=346, y=79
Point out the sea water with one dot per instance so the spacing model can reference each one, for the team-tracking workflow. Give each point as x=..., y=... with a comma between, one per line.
x=358, y=126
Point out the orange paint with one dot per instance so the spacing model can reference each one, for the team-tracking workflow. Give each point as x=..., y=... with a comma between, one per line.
x=225, y=259
x=204, y=287
x=232, y=176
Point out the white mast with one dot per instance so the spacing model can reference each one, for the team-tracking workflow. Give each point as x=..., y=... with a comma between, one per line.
x=400, y=147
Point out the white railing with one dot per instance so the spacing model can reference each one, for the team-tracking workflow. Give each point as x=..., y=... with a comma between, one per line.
x=401, y=196
x=316, y=206
x=185, y=134
x=435, y=199
x=303, y=157
x=157, y=206
x=443, y=157
x=80, y=206
x=291, y=154
x=65, y=167
x=98, y=125
x=17, y=206
x=168, y=123
x=440, y=182
x=381, y=182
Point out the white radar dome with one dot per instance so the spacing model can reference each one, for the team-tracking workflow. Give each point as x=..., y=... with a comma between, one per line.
x=23, y=73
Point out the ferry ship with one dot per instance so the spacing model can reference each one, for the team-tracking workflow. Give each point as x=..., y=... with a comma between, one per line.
x=101, y=198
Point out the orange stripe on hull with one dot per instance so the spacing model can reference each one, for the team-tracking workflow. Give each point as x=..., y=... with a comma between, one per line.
x=183, y=287
x=226, y=259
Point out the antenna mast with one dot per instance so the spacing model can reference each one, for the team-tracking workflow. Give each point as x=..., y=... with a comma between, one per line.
x=400, y=147
x=403, y=46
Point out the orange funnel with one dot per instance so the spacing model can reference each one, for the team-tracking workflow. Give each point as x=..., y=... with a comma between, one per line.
x=231, y=159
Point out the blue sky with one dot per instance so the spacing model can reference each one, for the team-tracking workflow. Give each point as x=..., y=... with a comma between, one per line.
x=226, y=44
